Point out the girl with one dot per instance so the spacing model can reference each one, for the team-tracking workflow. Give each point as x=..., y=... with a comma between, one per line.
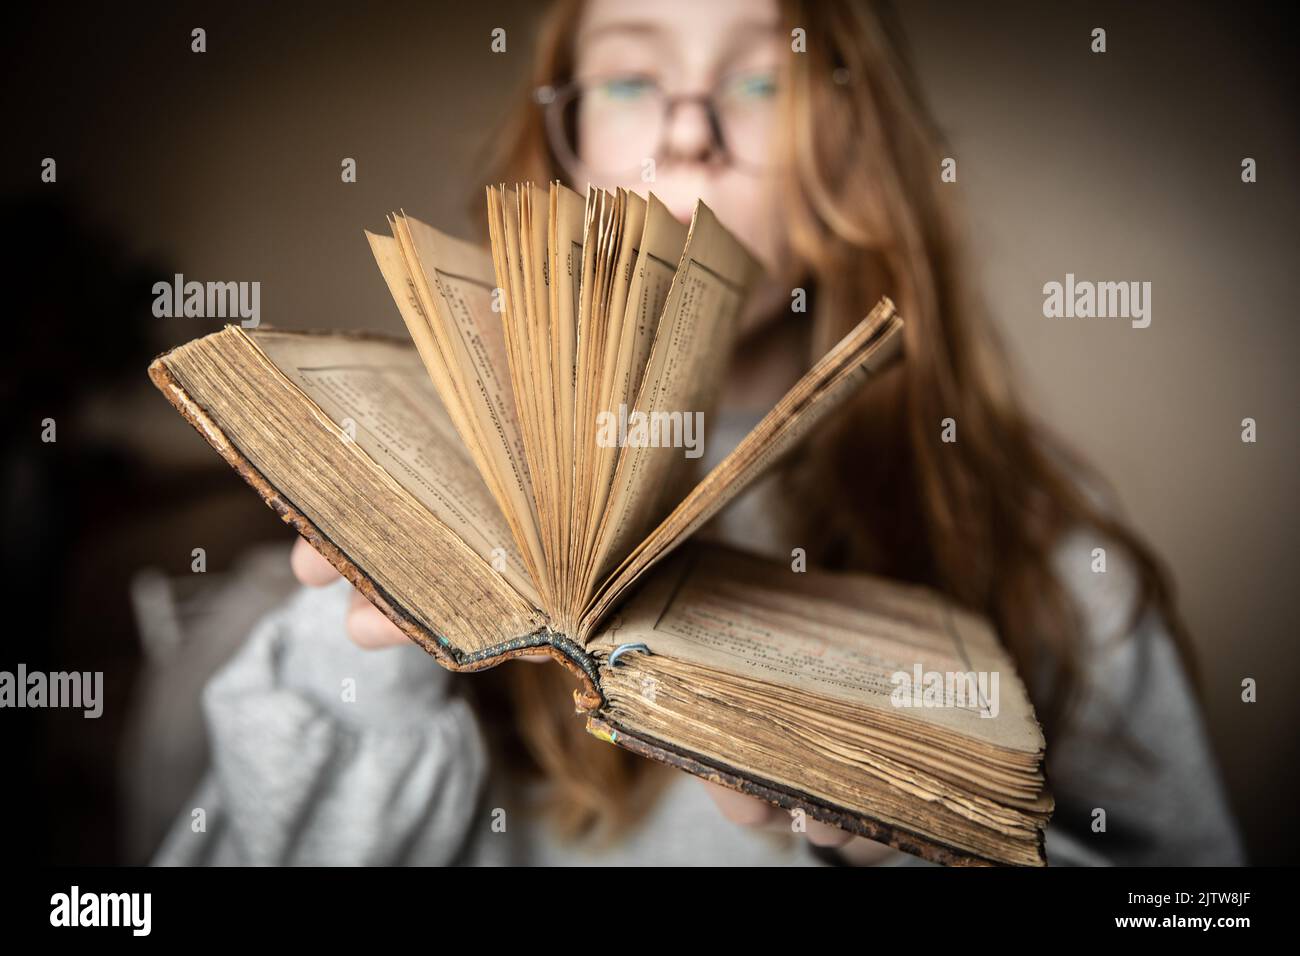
x=801, y=126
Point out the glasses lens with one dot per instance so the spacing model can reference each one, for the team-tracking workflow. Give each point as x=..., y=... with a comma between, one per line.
x=746, y=104
x=613, y=126
x=610, y=126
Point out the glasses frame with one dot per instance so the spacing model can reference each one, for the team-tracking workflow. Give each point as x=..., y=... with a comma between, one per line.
x=553, y=101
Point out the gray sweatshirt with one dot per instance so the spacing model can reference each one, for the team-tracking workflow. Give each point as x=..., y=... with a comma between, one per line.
x=327, y=753
x=324, y=753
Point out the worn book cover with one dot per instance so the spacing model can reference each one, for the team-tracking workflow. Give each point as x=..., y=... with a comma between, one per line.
x=455, y=479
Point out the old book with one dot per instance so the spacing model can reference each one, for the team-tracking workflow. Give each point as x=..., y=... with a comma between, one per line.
x=517, y=477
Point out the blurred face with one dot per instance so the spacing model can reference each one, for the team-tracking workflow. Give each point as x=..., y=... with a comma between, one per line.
x=642, y=120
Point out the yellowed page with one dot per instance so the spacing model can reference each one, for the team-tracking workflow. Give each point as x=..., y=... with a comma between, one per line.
x=518, y=325
x=871, y=346
x=599, y=215
x=534, y=212
x=687, y=362
x=513, y=318
x=624, y=249
x=381, y=397
x=651, y=250
x=392, y=265
x=567, y=228
x=842, y=637
x=610, y=393
x=454, y=280
x=662, y=240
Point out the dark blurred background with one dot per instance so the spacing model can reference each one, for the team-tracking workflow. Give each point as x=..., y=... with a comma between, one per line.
x=225, y=166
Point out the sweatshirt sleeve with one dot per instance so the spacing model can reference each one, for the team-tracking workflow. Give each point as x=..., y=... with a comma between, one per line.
x=327, y=754
x=1137, y=757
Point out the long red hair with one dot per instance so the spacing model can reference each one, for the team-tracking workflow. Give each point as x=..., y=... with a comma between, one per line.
x=866, y=214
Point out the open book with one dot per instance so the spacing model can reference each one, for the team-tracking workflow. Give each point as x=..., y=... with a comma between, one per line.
x=518, y=477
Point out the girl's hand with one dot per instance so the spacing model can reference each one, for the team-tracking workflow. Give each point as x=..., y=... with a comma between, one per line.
x=366, y=626
x=742, y=809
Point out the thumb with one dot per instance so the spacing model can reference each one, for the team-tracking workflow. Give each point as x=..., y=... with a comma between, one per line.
x=309, y=567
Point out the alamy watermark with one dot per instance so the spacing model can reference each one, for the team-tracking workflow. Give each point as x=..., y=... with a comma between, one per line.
x=133, y=911
x=967, y=690
x=638, y=429
x=1102, y=300
x=208, y=300
x=25, y=688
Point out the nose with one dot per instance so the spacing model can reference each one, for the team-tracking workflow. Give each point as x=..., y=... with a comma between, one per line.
x=689, y=136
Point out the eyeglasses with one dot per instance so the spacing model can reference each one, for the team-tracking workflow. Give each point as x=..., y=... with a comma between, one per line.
x=612, y=126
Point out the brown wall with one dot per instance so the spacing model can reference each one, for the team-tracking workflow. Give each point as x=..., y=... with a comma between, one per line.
x=1118, y=166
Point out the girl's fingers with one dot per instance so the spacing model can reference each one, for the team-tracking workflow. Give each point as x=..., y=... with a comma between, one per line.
x=860, y=851
x=740, y=807
x=752, y=812
x=823, y=834
x=369, y=628
x=366, y=626
x=309, y=567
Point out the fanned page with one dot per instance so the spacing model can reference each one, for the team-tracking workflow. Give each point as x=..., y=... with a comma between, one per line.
x=683, y=374
x=344, y=438
x=590, y=319
x=565, y=233
x=382, y=396
x=870, y=347
x=444, y=289
x=524, y=307
x=605, y=334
